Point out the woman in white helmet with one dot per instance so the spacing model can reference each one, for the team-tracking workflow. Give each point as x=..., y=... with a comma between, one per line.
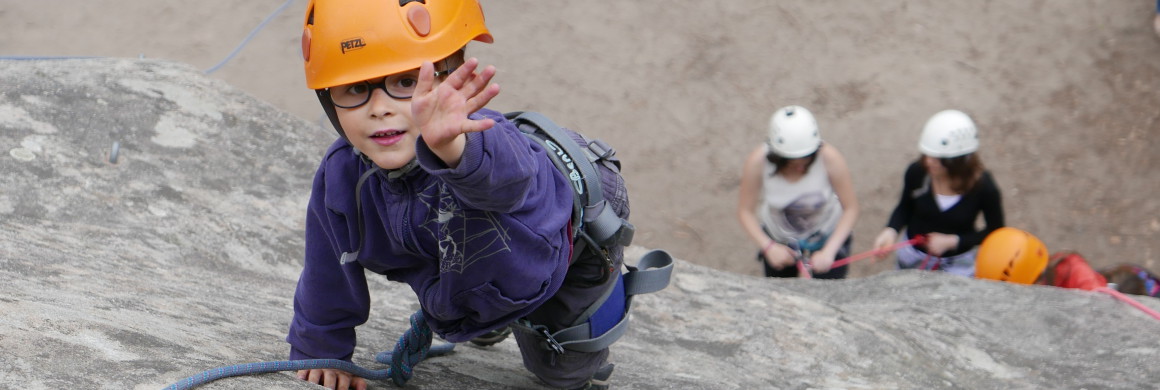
x=796, y=192
x=943, y=193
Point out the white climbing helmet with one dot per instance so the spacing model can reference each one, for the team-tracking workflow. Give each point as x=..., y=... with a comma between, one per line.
x=793, y=132
x=949, y=133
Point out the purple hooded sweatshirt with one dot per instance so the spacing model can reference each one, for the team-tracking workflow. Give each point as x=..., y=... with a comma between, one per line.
x=482, y=244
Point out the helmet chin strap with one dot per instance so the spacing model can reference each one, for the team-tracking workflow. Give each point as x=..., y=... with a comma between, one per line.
x=328, y=107
x=396, y=173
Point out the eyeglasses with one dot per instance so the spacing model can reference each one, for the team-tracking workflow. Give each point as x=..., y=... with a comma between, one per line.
x=399, y=86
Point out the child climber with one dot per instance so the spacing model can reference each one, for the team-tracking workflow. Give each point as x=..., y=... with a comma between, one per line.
x=427, y=187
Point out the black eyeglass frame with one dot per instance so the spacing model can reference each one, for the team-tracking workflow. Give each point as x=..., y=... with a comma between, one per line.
x=382, y=84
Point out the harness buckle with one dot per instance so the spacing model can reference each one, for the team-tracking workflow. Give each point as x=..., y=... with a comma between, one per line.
x=550, y=342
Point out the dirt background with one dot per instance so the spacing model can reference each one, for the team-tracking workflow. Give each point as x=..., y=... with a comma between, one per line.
x=1064, y=93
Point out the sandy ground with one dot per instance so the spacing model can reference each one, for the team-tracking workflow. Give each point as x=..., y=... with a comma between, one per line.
x=1064, y=93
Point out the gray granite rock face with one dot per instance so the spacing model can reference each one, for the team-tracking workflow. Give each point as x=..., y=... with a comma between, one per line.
x=183, y=255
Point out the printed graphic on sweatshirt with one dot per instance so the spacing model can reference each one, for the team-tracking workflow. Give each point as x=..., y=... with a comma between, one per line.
x=450, y=225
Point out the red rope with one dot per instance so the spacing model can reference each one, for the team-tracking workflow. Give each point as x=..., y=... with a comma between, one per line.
x=917, y=240
x=1130, y=301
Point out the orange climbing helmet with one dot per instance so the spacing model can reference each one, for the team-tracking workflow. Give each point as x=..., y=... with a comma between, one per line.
x=1011, y=255
x=354, y=40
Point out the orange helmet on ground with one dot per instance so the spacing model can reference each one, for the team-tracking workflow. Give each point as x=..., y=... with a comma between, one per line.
x=353, y=40
x=1011, y=255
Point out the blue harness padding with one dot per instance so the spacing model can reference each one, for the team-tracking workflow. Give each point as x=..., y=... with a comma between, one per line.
x=607, y=318
x=609, y=314
x=815, y=242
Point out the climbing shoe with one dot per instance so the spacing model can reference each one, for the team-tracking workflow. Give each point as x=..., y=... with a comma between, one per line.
x=600, y=380
x=493, y=337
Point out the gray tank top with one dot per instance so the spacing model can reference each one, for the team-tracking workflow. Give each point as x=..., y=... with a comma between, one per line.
x=798, y=210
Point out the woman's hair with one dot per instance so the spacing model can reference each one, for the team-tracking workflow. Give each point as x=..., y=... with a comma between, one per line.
x=964, y=171
x=780, y=162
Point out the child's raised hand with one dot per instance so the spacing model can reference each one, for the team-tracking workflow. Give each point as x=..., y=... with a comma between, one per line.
x=439, y=110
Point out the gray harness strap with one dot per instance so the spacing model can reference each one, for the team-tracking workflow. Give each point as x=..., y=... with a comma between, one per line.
x=652, y=274
x=599, y=222
x=597, y=227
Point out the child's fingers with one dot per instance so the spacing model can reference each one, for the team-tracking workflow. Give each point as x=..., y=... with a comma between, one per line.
x=426, y=79
x=478, y=81
x=329, y=379
x=472, y=126
x=475, y=103
x=463, y=74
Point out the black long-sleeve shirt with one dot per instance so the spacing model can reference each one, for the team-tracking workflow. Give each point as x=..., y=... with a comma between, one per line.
x=919, y=213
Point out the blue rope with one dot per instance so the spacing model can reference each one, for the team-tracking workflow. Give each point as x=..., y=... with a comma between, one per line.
x=42, y=58
x=413, y=346
x=249, y=37
x=212, y=69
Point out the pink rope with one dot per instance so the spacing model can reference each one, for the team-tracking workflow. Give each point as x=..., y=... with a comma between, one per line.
x=1130, y=301
x=917, y=240
x=802, y=271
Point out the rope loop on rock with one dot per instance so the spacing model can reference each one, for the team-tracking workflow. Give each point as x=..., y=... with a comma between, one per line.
x=413, y=346
x=411, y=349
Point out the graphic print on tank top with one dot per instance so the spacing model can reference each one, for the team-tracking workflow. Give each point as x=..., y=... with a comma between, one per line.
x=804, y=214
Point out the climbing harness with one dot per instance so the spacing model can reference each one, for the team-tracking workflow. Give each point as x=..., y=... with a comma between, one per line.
x=815, y=242
x=1151, y=284
x=594, y=222
x=801, y=260
x=934, y=266
x=596, y=228
x=607, y=319
x=413, y=346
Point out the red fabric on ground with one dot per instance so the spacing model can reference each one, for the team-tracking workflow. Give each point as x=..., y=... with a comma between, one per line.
x=1073, y=271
